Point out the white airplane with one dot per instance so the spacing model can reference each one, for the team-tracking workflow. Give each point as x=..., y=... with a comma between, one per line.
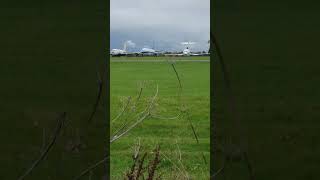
x=149, y=51
x=186, y=51
x=119, y=52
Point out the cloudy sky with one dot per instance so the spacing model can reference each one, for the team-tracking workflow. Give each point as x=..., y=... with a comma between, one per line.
x=162, y=24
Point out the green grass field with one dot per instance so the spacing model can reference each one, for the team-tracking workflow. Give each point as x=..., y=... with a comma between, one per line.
x=171, y=134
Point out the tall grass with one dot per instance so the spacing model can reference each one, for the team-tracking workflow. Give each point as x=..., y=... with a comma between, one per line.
x=134, y=110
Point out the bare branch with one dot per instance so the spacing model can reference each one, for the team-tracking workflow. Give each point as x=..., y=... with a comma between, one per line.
x=123, y=110
x=95, y=106
x=116, y=137
x=60, y=123
x=91, y=168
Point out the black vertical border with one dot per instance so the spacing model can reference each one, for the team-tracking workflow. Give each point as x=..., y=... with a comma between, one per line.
x=212, y=25
x=107, y=82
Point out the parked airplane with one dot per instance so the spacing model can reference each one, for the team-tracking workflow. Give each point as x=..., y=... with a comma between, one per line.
x=119, y=52
x=123, y=52
x=186, y=51
x=149, y=51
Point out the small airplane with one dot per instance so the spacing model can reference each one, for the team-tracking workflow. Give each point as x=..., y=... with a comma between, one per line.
x=149, y=52
x=123, y=52
x=119, y=52
x=186, y=51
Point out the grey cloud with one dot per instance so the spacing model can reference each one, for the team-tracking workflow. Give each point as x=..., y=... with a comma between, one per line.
x=130, y=43
x=168, y=22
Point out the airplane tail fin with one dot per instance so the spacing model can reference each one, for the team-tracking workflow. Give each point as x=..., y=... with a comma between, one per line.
x=125, y=46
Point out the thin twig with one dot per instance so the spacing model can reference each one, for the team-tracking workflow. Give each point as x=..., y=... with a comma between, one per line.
x=123, y=110
x=182, y=172
x=174, y=68
x=116, y=137
x=165, y=118
x=232, y=102
x=91, y=168
x=60, y=123
x=95, y=106
x=180, y=159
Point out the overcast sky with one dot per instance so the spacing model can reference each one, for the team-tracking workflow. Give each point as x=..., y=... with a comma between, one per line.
x=163, y=24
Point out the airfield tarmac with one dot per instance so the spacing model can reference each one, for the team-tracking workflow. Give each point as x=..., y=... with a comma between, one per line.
x=184, y=60
x=160, y=59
